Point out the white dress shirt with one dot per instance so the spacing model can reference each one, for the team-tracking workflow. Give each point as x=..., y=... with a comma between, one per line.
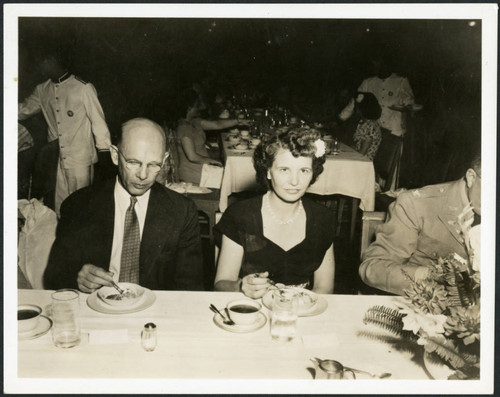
x=122, y=202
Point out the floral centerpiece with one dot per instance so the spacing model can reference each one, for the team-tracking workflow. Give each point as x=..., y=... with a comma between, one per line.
x=442, y=311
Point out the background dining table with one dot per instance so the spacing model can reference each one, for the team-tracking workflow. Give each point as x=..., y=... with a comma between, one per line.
x=190, y=345
x=348, y=173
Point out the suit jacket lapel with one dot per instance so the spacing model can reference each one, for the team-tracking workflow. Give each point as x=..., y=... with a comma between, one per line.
x=451, y=209
x=155, y=227
x=102, y=219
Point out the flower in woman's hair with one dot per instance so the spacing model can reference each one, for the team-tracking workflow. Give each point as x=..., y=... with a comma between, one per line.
x=465, y=323
x=320, y=148
x=428, y=296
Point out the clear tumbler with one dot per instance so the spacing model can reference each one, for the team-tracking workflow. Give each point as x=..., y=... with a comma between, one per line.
x=65, y=312
x=284, y=315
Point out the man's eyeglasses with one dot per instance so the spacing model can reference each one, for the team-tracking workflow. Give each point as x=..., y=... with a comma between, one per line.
x=134, y=165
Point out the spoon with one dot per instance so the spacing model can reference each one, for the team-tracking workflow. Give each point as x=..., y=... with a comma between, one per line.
x=121, y=291
x=382, y=375
x=224, y=319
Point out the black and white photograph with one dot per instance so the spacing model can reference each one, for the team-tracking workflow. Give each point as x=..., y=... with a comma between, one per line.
x=249, y=198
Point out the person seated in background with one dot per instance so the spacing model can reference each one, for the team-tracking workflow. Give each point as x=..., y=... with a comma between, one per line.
x=280, y=236
x=191, y=136
x=368, y=136
x=422, y=226
x=128, y=228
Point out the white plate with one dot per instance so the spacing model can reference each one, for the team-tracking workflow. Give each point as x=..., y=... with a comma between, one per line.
x=241, y=329
x=95, y=303
x=44, y=324
x=318, y=308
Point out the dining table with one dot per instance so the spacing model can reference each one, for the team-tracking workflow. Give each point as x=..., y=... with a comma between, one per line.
x=347, y=172
x=190, y=345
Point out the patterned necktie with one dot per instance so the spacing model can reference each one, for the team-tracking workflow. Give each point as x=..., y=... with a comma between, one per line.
x=129, y=267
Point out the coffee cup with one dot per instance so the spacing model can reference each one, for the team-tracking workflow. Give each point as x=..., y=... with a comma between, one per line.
x=244, y=311
x=255, y=141
x=244, y=133
x=28, y=317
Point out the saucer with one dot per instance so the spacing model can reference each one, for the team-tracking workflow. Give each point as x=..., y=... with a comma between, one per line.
x=44, y=324
x=241, y=329
x=95, y=303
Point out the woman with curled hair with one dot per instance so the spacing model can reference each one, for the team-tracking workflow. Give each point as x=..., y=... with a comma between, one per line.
x=281, y=236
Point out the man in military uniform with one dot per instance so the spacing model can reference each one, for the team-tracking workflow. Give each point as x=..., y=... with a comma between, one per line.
x=422, y=225
x=75, y=118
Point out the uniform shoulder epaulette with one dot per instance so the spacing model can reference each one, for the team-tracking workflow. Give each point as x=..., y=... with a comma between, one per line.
x=430, y=191
x=80, y=79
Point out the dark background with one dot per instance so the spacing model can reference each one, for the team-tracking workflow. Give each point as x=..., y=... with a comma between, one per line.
x=140, y=65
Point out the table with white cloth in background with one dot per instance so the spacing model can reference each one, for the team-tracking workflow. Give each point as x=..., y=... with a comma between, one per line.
x=190, y=345
x=348, y=173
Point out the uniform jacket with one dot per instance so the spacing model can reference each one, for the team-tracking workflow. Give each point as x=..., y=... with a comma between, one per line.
x=74, y=116
x=170, y=256
x=421, y=227
x=394, y=90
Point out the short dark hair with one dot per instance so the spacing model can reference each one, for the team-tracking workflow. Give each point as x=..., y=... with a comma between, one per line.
x=299, y=141
x=475, y=163
x=369, y=106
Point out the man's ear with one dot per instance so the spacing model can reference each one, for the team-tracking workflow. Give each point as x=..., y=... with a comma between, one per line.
x=470, y=177
x=113, y=151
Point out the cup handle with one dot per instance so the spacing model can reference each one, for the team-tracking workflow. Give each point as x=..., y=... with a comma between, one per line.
x=351, y=371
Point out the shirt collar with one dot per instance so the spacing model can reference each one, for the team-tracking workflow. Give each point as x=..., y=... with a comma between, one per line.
x=122, y=198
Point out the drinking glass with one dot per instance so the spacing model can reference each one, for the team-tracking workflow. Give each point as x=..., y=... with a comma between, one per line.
x=65, y=311
x=284, y=315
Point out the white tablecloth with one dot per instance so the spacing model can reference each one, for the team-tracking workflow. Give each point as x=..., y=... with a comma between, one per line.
x=349, y=173
x=190, y=345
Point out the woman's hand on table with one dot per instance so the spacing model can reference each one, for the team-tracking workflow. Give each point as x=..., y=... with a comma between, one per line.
x=255, y=285
x=91, y=277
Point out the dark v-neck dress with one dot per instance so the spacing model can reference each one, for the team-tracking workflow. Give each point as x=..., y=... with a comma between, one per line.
x=242, y=223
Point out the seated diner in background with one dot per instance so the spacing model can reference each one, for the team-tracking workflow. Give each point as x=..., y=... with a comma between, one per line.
x=279, y=237
x=192, y=138
x=368, y=134
x=422, y=226
x=128, y=228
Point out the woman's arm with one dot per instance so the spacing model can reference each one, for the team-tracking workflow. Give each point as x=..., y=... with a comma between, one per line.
x=325, y=275
x=191, y=154
x=365, y=145
x=228, y=270
x=221, y=124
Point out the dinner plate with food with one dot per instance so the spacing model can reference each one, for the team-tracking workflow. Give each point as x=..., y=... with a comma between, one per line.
x=309, y=303
x=133, y=299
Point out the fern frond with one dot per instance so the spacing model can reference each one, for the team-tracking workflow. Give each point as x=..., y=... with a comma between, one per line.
x=389, y=319
x=445, y=349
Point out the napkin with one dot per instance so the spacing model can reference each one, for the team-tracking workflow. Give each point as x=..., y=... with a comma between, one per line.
x=108, y=336
x=211, y=176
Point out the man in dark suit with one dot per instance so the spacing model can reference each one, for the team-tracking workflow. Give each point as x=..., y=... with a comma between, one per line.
x=129, y=228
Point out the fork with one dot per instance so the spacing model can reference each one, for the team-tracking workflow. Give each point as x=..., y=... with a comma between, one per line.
x=224, y=320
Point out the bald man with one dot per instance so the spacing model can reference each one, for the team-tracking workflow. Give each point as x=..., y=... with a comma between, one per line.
x=88, y=250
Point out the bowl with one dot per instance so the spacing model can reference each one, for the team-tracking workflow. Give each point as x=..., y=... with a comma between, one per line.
x=28, y=317
x=112, y=297
x=244, y=311
x=305, y=299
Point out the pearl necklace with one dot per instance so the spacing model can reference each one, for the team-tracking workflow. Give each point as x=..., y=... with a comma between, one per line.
x=275, y=217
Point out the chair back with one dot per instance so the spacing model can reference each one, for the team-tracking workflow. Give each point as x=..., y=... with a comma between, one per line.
x=370, y=221
x=387, y=158
x=169, y=172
